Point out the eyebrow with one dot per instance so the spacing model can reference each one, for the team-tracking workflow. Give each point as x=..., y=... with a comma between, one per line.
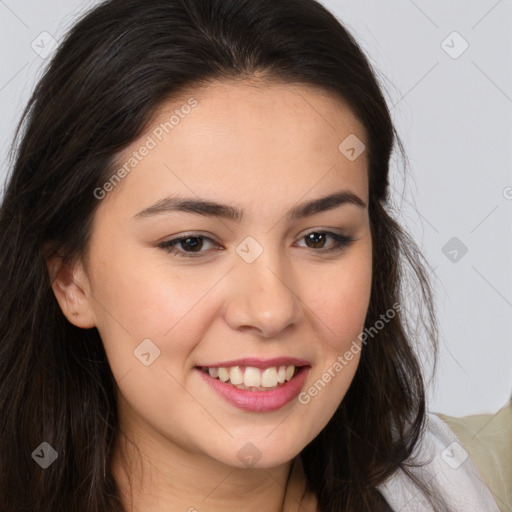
x=213, y=209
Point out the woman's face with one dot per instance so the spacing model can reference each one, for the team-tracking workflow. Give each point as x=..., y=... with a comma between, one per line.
x=258, y=283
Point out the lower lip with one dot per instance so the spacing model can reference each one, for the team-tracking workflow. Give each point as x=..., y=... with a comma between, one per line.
x=259, y=401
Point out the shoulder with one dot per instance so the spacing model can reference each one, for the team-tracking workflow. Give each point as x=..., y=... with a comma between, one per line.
x=488, y=440
x=447, y=468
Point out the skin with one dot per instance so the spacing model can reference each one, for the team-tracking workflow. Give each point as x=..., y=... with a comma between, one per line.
x=264, y=149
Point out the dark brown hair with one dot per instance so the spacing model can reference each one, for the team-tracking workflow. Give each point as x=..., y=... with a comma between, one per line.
x=110, y=74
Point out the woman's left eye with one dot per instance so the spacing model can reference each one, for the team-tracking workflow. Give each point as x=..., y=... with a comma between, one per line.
x=318, y=238
x=191, y=246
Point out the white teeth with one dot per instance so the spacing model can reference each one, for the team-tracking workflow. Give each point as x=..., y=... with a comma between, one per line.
x=252, y=377
x=281, y=374
x=269, y=377
x=236, y=375
x=223, y=374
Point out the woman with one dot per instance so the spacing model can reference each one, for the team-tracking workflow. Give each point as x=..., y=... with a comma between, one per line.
x=202, y=293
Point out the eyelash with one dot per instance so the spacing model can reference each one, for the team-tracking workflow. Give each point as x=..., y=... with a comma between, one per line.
x=341, y=242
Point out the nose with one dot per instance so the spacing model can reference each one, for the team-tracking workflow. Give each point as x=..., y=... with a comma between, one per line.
x=263, y=297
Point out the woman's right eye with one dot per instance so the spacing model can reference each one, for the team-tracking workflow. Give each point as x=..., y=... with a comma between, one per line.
x=194, y=243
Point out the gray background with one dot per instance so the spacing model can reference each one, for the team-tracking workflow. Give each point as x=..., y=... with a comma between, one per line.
x=453, y=111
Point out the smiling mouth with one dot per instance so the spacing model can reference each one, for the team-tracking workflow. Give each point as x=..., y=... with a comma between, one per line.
x=251, y=378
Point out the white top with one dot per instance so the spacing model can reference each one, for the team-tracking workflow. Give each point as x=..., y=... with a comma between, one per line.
x=450, y=470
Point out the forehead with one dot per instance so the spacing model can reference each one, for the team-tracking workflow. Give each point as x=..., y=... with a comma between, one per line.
x=269, y=141
x=278, y=114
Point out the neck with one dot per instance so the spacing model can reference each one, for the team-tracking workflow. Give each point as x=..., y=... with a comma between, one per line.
x=152, y=479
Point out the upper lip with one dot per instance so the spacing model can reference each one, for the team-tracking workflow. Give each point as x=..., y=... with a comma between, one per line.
x=260, y=363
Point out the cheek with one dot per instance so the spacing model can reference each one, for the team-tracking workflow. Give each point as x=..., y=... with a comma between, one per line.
x=340, y=299
x=163, y=303
x=343, y=310
x=340, y=310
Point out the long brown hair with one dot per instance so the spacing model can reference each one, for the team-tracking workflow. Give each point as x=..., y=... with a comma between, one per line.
x=108, y=77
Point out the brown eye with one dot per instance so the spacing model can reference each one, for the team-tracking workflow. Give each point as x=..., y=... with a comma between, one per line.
x=194, y=246
x=195, y=243
x=187, y=246
x=317, y=240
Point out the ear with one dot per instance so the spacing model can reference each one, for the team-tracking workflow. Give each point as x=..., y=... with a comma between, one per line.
x=71, y=288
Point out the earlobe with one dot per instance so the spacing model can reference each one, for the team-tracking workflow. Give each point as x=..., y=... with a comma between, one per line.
x=70, y=286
